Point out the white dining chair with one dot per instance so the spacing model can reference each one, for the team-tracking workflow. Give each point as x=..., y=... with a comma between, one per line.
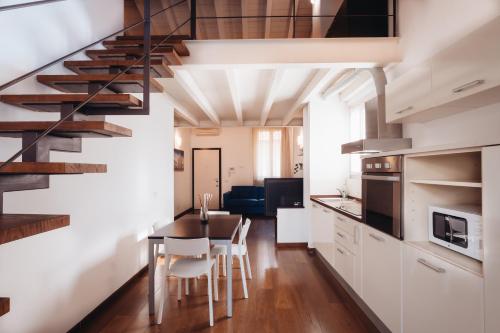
x=158, y=248
x=189, y=265
x=220, y=212
x=240, y=250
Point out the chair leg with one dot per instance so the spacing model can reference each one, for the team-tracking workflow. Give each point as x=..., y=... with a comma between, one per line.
x=243, y=277
x=216, y=281
x=224, y=270
x=216, y=267
x=187, y=286
x=179, y=289
x=210, y=302
x=249, y=269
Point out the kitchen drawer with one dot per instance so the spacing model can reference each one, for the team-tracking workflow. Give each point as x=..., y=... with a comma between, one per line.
x=345, y=223
x=345, y=239
x=344, y=264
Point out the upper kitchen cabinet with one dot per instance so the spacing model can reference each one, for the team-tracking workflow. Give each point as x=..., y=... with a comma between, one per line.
x=408, y=94
x=464, y=76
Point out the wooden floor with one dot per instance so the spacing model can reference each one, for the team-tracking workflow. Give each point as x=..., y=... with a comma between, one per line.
x=289, y=292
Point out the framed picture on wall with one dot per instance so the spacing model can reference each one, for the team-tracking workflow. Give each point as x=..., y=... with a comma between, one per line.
x=178, y=160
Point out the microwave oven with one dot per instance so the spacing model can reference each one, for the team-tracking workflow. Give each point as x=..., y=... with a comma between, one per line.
x=458, y=228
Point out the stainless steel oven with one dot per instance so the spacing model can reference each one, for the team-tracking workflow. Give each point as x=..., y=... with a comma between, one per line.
x=382, y=194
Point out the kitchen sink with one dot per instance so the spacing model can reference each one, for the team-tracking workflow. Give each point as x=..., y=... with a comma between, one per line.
x=350, y=206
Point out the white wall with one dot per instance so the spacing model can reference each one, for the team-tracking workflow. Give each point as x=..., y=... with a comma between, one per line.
x=427, y=27
x=237, y=154
x=56, y=278
x=183, y=179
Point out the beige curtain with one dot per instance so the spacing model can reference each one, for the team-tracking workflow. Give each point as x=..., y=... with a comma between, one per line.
x=272, y=153
x=286, y=152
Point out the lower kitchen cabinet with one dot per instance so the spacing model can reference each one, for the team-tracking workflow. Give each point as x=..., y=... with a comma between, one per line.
x=323, y=232
x=382, y=276
x=344, y=263
x=439, y=296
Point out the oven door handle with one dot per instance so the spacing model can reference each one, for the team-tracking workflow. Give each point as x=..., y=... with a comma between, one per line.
x=383, y=178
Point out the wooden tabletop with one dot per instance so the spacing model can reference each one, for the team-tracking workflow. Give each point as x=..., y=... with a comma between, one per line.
x=189, y=227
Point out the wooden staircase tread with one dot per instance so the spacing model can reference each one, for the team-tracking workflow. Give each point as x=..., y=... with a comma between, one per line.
x=119, y=99
x=71, y=83
x=67, y=128
x=4, y=305
x=164, y=51
x=52, y=168
x=17, y=226
x=159, y=67
x=53, y=102
x=153, y=37
x=178, y=44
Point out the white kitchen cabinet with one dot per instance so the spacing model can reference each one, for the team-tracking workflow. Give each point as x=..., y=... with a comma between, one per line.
x=344, y=263
x=468, y=67
x=382, y=276
x=408, y=94
x=348, y=239
x=491, y=232
x=463, y=76
x=315, y=223
x=324, y=220
x=439, y=296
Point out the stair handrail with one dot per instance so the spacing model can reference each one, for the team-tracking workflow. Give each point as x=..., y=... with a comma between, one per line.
x=58, y=60
x=145, y=57
x=28, y=4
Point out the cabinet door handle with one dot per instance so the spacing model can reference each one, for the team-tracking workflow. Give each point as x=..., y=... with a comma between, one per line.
x=468, y=86
x=315, y=206
x=327, y=211
x=340, y=235
x=431, y=266
x=405, y=110
x=377, y=238
x=340, y=219
x=340, y=251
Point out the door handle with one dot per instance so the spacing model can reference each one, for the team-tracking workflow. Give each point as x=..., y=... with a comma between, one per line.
x=340, y=251
x=340, y=235
x=431, y=266
x=468, y=86
x=405, y=109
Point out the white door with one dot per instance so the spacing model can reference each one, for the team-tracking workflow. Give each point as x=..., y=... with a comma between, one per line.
x=206, y=176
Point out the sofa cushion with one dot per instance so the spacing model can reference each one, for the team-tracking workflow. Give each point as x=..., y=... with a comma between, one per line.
x=243, y=192
x=246, y=202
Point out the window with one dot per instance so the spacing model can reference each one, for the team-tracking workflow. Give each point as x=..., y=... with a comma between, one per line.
x=267, y=153
x=357, y=132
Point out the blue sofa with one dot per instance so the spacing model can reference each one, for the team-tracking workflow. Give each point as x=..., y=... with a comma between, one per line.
x=245, y=200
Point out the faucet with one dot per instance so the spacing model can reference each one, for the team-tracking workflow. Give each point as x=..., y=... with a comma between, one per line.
x=343, y=193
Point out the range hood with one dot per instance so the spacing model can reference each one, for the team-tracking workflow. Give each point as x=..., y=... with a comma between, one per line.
x=380, y=136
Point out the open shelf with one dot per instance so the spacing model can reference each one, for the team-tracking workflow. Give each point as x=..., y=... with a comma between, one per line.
x=452, y=257
x=476, y=184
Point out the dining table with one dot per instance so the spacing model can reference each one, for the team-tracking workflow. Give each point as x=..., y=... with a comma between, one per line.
x=220, y=229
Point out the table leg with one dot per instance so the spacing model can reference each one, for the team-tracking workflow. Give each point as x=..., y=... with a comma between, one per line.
x=229, y=279
x=151, y=276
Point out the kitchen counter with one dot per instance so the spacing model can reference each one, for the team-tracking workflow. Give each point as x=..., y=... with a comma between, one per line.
x=319, y=199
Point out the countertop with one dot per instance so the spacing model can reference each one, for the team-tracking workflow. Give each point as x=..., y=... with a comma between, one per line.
x=317, y=199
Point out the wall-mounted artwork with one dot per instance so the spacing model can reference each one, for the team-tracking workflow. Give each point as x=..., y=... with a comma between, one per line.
x=178, y=160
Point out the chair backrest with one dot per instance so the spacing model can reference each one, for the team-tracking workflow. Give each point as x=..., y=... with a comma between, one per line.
x=186, y=247
x=244, y=231
x=218, y=212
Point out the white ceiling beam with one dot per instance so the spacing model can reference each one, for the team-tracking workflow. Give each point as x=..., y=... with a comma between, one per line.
x=290, y=24
x=269, y=10
x=182, y=111
x=362, y=89
x=341, y=83
x=244, y=21
x=271, y=94
x=318, y=81
x=232, y=82
x=218, y=8
x=193, y=90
